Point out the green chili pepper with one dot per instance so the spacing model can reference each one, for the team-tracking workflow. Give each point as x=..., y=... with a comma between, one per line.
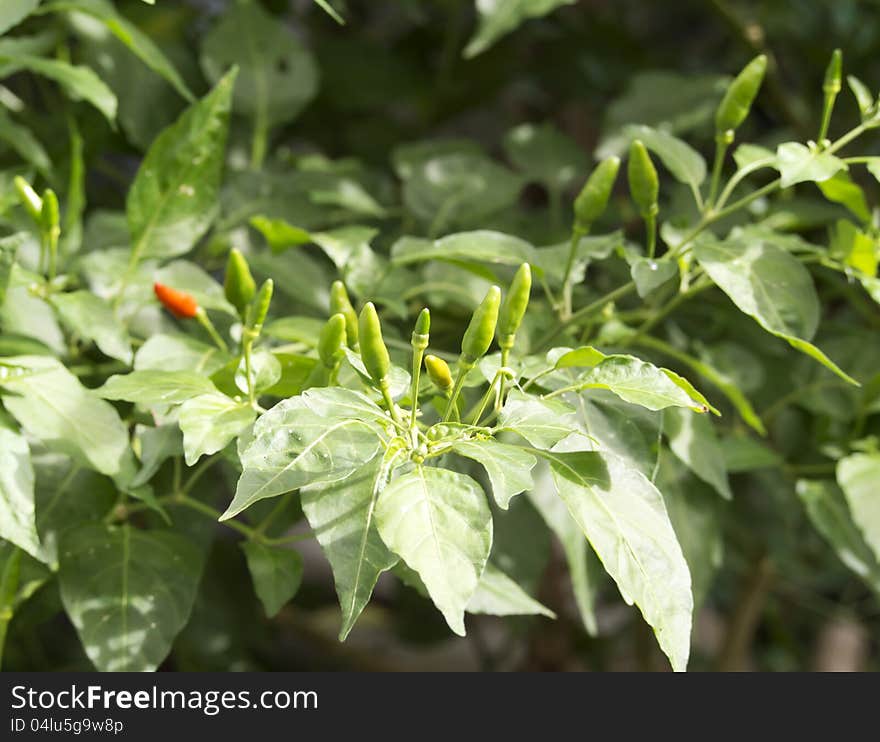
x=644, y=185
x=420, y=333
x=740, y=95
x=50, y=219
x=32, y=203
x=239, y=284
x=478, y=336
x=332, y=340
x=259, y=307
x=834, y=74
x=513, y=308
x=373, y=351
x=593, y=198
x=341, y=304
x=439, y=373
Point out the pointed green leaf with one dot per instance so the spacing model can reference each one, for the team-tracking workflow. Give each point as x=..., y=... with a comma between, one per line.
x=128, y=592
x=151, y=388
x=276, y=571
x=342, y=516
x=624, y=518
x=498, y=595
x=210, y=422
x=500, y=17
x=306, y=440
x=93, y=319
x=14, y=12
x=509, y=468
x=542, y=422
x=174, y=197
x=18, y=523
x=798, y=164
x=693, y=440
x=768, y=284
x=439, y=523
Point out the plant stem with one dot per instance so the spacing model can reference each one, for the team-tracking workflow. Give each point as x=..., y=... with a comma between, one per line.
x=651, y=232
x=586, y=311
x=205, y=321
x=389, y=403
x=246, y=345
x=475, y=415
x=456, y=390
x=565, y=310
x=418, y=355
x=721, y=146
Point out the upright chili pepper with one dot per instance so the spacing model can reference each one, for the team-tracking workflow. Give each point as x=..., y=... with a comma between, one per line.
x=238, y=284
x=259, y=307
x=341, y=304
x=179, y=303
x=373, y=351
x=830, y=87
x=478, y=336
x=740, y=95
x=50, y=227
x=513, y=308
x=593, y=198
x=419, y=342
x=644, y=186
x=332, y=341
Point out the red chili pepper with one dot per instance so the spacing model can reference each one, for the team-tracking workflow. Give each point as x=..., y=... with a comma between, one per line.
x=179, y=303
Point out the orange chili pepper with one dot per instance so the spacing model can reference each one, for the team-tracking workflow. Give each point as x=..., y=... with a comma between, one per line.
x=179, y=303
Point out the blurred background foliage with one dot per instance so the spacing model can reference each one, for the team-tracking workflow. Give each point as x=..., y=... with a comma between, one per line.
x=326, y=141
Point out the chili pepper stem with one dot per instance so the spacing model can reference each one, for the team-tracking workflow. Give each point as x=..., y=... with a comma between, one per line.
x=463, y=370
x=651, y=230
x=418, y=355
x=576, y=235
x=246, y=352
x=205, y=321
x=721, y=146
x=475, y=415
x=389, y=402
x=499, y=400
x=827, y=108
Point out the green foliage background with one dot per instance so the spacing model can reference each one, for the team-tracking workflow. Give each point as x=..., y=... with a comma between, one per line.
x=421, y=150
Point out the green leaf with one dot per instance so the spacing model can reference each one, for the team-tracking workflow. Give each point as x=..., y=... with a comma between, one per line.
x=276, y=571
x=498, y=595
x=210, y=422
x=864, y=97
x=151, y=388
x=742, y=453
x=8, y=250
x=583, y=566
x=173, y=199
x=279, y=233
x=545, y=155
x=624, y=518
x=482, y=246
x=459, y=189
x=642, y=383
x=178, y=353
x=80, y=83
x=499, y=18
x=328, y=8
x=859, y=477
x=683, y=161
x=692, y=439
x=321, y=436
x=768, y=284
x=17, y=514
x=829, y=513
x=854, y=247
x=14, y=12
x=542, y=422
x=154, y=446
x=650, y=275
x=52, y=405
x=25, y=144
x=136, y=40
x=509, y=468
x=342, y=516
x=278, y=74
x=798, y=164
x=439, y=523
x=128, y=592
x=842, y=190
x=749, y=154
x=92, y=318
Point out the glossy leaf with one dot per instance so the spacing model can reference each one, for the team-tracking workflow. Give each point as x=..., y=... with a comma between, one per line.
x=693, y=440
x=482, y=247
x=92, y=318
x=150, y=388
x=859, y=477
x=173, y=199
x=498, y=595
x=542, y=422
x=343, y=517
x=439, y=523
x=769, y=285
x=798, y=164
x=18, y=523
x=210, y=422
x=53, y=406
x=509, y=468
x=625, y=520
x=499, y=17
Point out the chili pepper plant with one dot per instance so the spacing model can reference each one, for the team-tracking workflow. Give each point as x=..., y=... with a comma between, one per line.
x=225, y=349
